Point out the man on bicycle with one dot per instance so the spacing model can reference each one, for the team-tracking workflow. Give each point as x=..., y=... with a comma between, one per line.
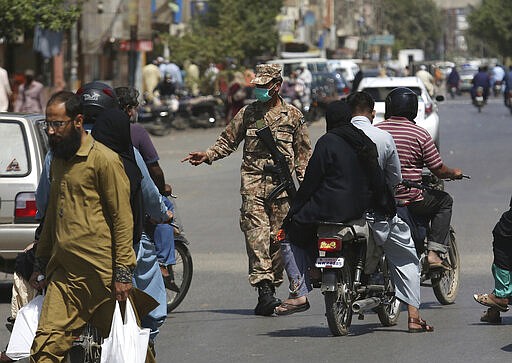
x=416, y=149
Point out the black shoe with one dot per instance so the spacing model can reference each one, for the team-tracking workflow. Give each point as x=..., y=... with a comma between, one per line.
x=267, y=302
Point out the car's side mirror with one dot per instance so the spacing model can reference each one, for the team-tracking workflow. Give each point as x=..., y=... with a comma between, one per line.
x=440, y=98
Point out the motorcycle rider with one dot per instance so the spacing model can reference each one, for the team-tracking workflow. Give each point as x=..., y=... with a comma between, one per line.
x=392, y=233
x=452, y=82
x=417, y=149
x=427, y=79
x=481, y=79
x=163, y=234
x=499, y=299
x=260, y=222
x=95, y=99
x=508, y=86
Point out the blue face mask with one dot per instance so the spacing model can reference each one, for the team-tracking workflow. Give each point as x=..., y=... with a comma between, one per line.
x=262, y=94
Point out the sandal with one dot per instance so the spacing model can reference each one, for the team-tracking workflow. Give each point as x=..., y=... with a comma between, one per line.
x=488, y=300
x=287, y=309
x=491, y=316
x=424, y=327
x=440, y=265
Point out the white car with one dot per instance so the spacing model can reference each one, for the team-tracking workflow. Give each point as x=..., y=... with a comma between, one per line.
x=379, y=88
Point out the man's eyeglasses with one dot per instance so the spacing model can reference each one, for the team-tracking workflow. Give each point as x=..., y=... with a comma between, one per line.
x=55, y=124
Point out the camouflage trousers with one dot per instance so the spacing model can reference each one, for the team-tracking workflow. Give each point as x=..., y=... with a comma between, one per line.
x=260, y=225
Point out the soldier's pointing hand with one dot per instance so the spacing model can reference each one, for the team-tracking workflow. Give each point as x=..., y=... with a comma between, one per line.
x=196, y=157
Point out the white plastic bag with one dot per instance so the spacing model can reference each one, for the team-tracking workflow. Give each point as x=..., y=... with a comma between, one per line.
x=24, y=329
x=127, y=342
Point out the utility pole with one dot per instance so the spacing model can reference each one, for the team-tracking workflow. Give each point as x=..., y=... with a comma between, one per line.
x=133, y=18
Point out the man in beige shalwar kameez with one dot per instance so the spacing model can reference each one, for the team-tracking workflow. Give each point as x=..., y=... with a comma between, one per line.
x=85, y=249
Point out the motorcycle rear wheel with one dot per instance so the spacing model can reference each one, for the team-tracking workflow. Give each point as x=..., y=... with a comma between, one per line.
x=182, y=270
x=446, y=286
x=338, y=304
x=389, y=309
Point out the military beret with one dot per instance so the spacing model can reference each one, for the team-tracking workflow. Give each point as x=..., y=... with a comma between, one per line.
x=266, y=72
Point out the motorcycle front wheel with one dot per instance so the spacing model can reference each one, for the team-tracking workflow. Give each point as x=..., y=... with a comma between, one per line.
x=338, y=303
x=389, y=309
x=446, y=286
x=182, y=272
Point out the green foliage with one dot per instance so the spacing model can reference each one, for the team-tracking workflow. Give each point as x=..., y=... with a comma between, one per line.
x=491, y=23
x=16, y=16
x=231, y=29
x=414, y=23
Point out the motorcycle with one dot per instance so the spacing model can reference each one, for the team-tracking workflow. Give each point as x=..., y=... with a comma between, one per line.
x=87, y=346
x=198, y=111
x=157, y=116
x=453, y=90
x=444, y=282
x=497, y=88
x=346, y=286
x=182, y=271
x=179, y=111
x=479, y=100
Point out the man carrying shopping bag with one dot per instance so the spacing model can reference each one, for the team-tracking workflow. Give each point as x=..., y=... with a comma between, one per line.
x=85, y=251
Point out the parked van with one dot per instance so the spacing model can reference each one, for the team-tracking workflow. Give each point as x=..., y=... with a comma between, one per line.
x=291, y=64
x=348, y=68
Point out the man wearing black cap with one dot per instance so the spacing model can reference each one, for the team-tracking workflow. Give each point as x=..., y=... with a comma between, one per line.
x=259, y=221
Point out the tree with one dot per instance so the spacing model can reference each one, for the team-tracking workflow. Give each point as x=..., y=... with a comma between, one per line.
x=17, y=16
x=240, y=30
x=491, y=23
x=414, y=23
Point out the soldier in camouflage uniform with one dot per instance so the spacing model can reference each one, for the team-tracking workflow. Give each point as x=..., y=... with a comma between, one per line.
x=259, y=221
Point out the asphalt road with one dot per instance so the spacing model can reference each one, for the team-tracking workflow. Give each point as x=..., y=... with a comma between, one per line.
x=215, y=323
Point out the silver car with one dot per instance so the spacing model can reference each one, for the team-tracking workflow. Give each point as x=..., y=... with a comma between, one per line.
x=24, y=144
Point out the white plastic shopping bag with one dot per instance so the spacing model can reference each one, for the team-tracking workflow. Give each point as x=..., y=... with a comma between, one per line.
x=24, y=329
x=127, y=342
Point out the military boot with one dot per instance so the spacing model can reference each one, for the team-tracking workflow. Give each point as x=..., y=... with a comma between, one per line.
x=266, y=300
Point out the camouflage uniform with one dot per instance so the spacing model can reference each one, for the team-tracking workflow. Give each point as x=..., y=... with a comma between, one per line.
x=258, y=222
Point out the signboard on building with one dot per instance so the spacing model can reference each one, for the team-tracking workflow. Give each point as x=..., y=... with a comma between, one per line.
x=387, y=39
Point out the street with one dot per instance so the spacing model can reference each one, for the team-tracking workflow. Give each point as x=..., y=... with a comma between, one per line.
x=215, y=322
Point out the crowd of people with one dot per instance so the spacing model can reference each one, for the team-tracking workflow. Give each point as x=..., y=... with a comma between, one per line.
x=105, y=219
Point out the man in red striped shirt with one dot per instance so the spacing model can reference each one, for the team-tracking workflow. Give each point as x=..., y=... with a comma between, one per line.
x=417, y=149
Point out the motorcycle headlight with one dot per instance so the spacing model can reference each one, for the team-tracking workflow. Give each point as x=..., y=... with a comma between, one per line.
x=163, y=113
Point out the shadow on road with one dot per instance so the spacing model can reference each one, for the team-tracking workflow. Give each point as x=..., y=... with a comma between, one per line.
x=507, y=348
x=5, y=292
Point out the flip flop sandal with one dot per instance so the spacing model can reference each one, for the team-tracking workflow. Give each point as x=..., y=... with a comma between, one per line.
x=440, y=265
x=287, y=309
x=486, y=300
x=424, y=327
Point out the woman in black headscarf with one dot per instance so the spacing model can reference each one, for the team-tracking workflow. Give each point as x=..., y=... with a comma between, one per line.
x=112, y=128
x=337, y=187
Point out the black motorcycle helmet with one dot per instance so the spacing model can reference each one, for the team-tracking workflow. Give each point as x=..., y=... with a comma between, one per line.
x=96, y=97
x=401, y=102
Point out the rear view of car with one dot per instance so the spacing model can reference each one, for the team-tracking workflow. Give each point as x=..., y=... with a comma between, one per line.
x=379, y=88
x=24, y=145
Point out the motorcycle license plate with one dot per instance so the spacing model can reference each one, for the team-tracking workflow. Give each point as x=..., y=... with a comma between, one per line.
x=479, y=99
x=329, y=262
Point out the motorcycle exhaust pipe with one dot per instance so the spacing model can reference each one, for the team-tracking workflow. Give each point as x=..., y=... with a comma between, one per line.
x=365, y=304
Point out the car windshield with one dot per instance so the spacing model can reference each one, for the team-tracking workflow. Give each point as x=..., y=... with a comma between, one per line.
x=379, y=93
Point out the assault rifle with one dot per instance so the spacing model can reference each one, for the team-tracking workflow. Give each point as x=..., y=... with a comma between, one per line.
x=279, y=170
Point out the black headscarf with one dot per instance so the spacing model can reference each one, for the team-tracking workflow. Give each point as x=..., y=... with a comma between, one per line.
x=112, y=129
x=338, y=116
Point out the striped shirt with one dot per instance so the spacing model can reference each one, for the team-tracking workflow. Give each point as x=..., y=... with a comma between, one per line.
x=416, y=149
